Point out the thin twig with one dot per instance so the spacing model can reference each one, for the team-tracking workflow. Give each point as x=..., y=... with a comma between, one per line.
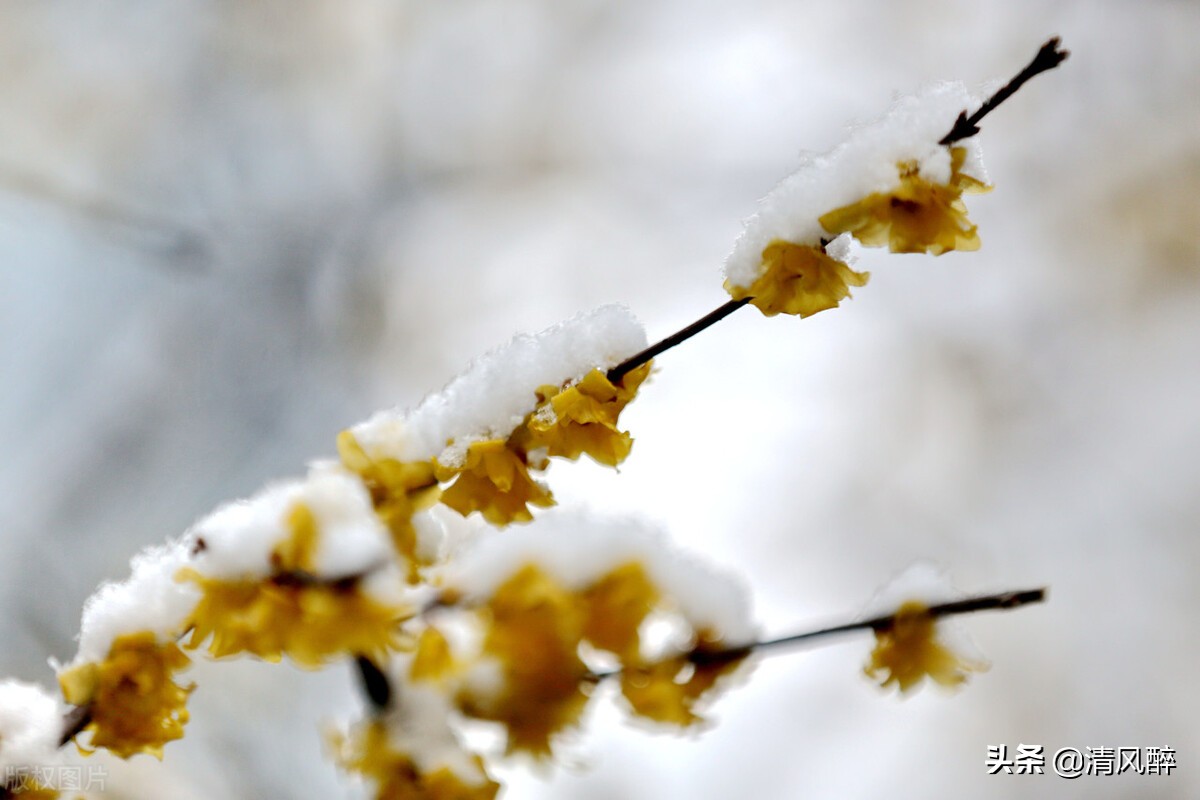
x=991, y=602
x=1047, y=58
x=711, y=318
x=74, y=721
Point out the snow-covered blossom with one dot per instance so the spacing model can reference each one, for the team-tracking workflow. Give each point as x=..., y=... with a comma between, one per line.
x=494, y=423
x=133, y=703
x=123, y=672
x=890, y=182
x=918, y=645
x=801, y=279
x=498, y=390
x=304, y=568
x=917, y=216
x=150, y=599
x=411, y=750
x=547, y=595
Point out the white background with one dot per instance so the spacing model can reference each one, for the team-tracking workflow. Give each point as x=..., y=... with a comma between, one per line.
x=228, y=230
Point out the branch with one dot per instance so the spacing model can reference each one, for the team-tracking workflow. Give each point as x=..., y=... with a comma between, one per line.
x=1047, y=58
x=375, y=683
x=992, y=602
x=711, y=318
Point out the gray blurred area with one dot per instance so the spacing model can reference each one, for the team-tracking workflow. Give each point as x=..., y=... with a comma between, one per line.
x=228, y=230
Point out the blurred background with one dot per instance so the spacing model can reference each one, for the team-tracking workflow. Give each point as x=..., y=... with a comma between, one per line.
x=230, y=229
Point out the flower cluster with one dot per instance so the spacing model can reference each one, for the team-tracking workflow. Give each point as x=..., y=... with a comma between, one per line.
x=892, y=183
x=518, y=628
x=527, y=624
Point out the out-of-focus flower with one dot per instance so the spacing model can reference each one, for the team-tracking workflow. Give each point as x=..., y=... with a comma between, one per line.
x=534, y=627
x=494, y=480
x=798, y=279
x=909, y=650
x=432, y=659
x=672, y=690
x=614, y=608
x=917, y=216
x=398, y=490
x=134, y=705
x=368, y=751
x=310, y=621
x=582, y=418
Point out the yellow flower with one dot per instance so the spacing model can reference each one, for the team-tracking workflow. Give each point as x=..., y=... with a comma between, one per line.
x=398, y=490
x=298, y=551
x=368, y=752
x=671, y=690
x=614, y=608
x=582, y=418
x=495, y=481
x=798, y=279
x=915, y=217
x=134, y=705
x=309, y=621
x=534, y=630
x=908, y=651
x=432, y=658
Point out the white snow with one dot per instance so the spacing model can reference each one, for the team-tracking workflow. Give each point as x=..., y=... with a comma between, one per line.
x=238, y=537
x=578, y=548
x=923, y=581
x=491, y=398
x=927, y=583
x=863, y=164
x=31, y=721
x=237, y=540
x=150, y=599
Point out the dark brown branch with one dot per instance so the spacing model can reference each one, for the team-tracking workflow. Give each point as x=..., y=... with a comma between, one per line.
x=1047, y=58
x=991, y=602
x=74, y=722
x=375, y=683
x=711, y=318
